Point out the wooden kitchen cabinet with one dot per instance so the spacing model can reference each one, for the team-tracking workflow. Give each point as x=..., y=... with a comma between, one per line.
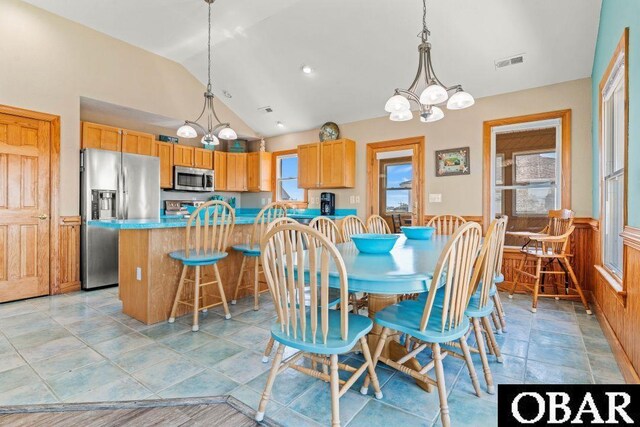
x=259, y=171
x=101, y=136
x=236, y=172
x=137, y=142
x=164, y=150
x=220, y=170
x=183, y=155
x=309, y=165
x=203, y=158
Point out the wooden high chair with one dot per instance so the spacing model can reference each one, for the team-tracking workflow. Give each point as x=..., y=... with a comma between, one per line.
x=549, y=245
x=214, y=222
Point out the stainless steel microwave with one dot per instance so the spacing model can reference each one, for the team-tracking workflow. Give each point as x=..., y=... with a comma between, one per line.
x=192, y=179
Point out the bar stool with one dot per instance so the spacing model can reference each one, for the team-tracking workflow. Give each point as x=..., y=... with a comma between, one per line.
x=214, y=222
x=376, y=224
x=252, y=249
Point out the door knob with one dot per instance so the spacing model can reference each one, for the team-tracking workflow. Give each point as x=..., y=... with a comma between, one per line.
x=42, y=216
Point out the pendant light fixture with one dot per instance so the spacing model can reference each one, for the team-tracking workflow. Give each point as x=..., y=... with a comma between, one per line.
x=435, y=91
x=188, y=130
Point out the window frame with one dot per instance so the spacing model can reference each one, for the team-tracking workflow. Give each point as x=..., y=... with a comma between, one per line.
x=276, y=156
x=524, y=184
x=386, y=188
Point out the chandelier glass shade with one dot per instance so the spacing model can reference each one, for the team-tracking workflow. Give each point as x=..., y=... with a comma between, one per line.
x=191, y=127
x=435, y=92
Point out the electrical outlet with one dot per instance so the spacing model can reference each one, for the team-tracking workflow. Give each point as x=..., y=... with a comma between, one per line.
x=264, y=201
x=435, y=198
x=138, y=273
x=352, y=199
x=357, y=199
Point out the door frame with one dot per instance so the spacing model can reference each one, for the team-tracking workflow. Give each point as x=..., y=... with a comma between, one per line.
x=417, y=144
x=54, y=187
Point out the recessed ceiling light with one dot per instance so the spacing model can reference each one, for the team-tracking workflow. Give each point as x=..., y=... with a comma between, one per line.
x=227, y=94
x=307, y=69
x=280, y=124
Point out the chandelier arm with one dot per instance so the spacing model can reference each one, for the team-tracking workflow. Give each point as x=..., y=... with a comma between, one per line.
x=220, y=126
x=433, y=73
x=197, y=125
x=417, y=78
x=409, y=94
x=213, y=110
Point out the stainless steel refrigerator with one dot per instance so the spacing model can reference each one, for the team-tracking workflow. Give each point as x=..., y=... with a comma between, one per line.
x=113, y=185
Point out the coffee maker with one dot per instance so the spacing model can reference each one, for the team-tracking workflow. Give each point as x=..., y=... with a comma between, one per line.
x=327, y=204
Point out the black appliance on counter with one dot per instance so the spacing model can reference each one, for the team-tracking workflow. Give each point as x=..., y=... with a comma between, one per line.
x=327, y=204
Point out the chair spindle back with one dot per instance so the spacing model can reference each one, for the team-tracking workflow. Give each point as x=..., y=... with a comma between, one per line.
x=455, y=268
x=209, y=238
x=351, y=225
x=487, y=261
x=446, y=224
x=269, y=213
x=376, y=224
x=283, y=266
x=326, y=227
x=560, y=221
x=501, y=245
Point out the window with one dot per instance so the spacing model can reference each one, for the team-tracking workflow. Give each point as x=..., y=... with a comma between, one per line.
x=614, y=131
x=286, y=170
x=536, y=172
x=398, y=179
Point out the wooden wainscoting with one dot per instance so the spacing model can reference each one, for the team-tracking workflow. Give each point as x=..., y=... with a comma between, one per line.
x=68, y=262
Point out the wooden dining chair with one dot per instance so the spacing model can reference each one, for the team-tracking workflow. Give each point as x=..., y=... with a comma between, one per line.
x=206, y=236
x=251, y=249
x=315, y=331
x=550, y=246
x=327, y=227
x=351, y=224
x=446, y=224
x=378, y=225
x=434, y=325
x=501, y=323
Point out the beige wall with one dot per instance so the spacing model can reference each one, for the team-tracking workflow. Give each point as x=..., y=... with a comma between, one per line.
x=463, y=194
x=48, y=62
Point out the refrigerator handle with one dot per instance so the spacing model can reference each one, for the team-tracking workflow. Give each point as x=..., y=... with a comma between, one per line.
x=119, y=197
x=125, y=192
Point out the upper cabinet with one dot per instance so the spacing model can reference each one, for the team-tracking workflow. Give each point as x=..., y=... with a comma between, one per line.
x=220, y=170
x=259, y=171
x=203, y=158
x=137, y=142
x=101, y=136
x=164, y=150
x=330, y=164
x=236, y=172
x=183, y=155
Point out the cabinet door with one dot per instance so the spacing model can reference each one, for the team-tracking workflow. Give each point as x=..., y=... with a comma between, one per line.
x=137, y=142
x=266, y=164
x=100, y=136
x=203, y=158
x=253, y=171
x=183, y=155
x=220, y=170
x=331, y=163
x=308, y=166
x=241, y=172
x=164, y=150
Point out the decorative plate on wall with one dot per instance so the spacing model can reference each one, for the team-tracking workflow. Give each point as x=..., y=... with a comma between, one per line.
x=329, y=132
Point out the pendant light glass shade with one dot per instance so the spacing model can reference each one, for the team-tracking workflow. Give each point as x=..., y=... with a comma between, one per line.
x=210, y=139
x=187, y=131
x=435, y=115
x=397, y=103
x=460, y=100
x=433, y=94
x=227, y=133
x=401, y=116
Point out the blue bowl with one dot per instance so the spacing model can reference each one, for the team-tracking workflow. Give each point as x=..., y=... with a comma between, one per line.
x=374, y=243
x=418, y=232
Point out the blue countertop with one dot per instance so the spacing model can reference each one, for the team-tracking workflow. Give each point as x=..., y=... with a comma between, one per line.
x=143, y=224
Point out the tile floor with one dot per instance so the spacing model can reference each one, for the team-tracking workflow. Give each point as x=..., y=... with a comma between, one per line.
x=80, y=347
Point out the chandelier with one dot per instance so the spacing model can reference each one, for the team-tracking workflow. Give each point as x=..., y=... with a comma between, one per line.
x=213, y=122
x=434, y=94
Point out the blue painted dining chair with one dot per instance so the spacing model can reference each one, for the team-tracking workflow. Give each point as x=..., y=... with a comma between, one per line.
x=434, y=325
x=317, y=332
x=251, y=250
x=498, y=313
x=206, y=236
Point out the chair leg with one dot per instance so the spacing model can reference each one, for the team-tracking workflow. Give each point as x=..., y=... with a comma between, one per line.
x=496, y=321
x=371, y=367
x=536, y=286
x=235, y=294
x=517, y=275
x=376, y=356
x=500, y=309
x=483, y=356
x=256, y=284
x=266, y=394
x=472, y=370
x=223, y=297
x=174, y=309
x=492, y=339
x=574, y=279
x=335, y=391
x=442, y=387
x=267, y=350
x=196, y=300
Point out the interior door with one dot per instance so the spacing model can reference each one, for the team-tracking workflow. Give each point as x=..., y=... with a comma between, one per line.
x=24, y=207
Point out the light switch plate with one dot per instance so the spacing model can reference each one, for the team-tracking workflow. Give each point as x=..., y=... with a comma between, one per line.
x=435, y=198
x=357, y=199
x=138, y=273
x=352, y=199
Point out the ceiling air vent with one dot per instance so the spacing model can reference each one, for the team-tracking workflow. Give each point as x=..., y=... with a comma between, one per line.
x=266, y=110
x=512, y=60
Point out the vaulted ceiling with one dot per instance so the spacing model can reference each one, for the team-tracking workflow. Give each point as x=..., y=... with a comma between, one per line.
x=360, y=50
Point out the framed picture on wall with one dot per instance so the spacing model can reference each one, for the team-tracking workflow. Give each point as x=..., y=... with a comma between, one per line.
x=453, y=162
